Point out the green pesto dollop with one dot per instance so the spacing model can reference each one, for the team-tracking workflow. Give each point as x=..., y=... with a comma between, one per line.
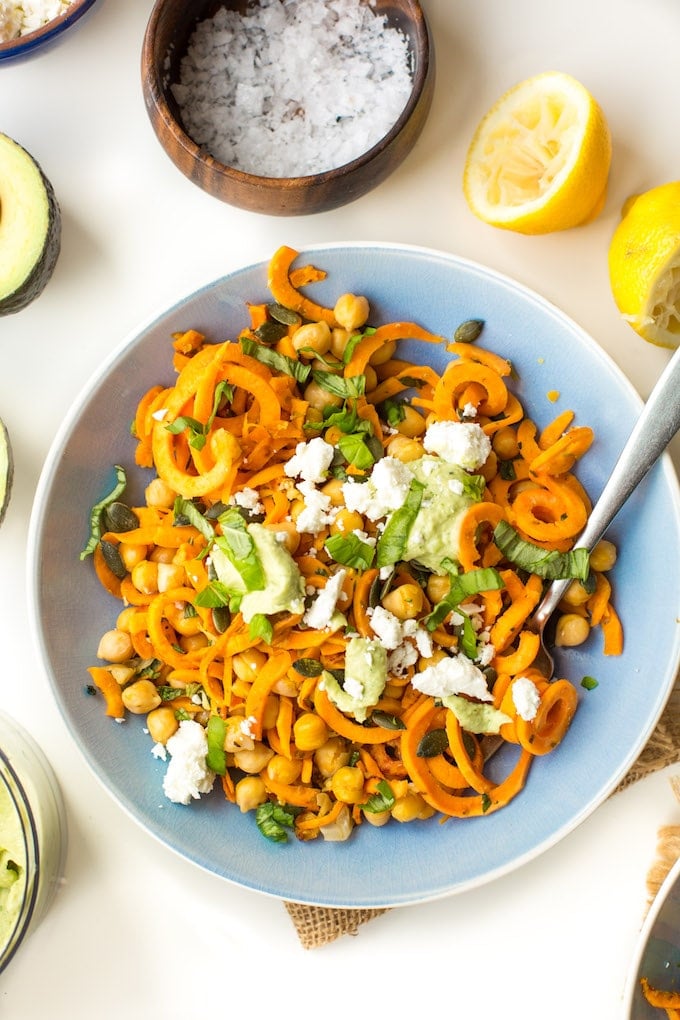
x=365, y=678
x=449, y=491
x=284, y=586
x=12, y=866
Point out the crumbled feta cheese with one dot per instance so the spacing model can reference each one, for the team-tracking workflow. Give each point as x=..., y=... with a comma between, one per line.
x=462, y=443
x=17, y=19
x=354, y=687
x=469, y=411
x=485, y=653
x=248, y=499
x=246, y=726
x=320, y=614
x=387, y=627
x=311, y=460
x=456, y=486
x=364, y=537
x=402, y=658
x=525, y=697
x=453, y=675
x=318, y=511
x=158, y=751
x=187, y=775
x=160, y=414
x=385, y=490
x=424, y=642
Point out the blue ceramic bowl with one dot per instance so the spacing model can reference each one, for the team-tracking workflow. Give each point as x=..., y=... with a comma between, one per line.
x=396, y=864
x=50, y=33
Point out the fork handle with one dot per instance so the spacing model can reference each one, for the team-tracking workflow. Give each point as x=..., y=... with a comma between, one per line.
x=658, y=422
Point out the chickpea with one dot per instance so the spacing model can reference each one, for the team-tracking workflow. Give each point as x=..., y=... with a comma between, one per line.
x=331, y=756
x=126, y=618
x=316, y=396
x=377, y=818
x=161, y=554
x=603, y=556
x=437, y=655
x=490, y=467
x=412, y=424
x=180, y=622
x=161, y=724
x=438, y=587
x=371, y=377
x=144, y=577
x=236, y=739
x=505, y=443
x=576, y=594
x=247, y=664
x=328, y=364
x=347, y=521
x=284, y=770
x=193, y=642
x=310, y=732
x=411, y=807
x=170, y=575
x=404, y=448
x=250, y=792
x=571, y=630
x=131, y=555
x=313, y=336
x=253, y=760
x=286, y=687
x=405, y=602
x=141, y=697
x=383, y=353
x=158, y=493
x=339, y=338
x=115, y=646
x=347, y=784
x=351, y=311
x=333, y=490
x=271, y=712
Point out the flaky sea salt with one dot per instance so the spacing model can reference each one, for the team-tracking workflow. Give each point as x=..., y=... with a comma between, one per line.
x=293, y=87
x=17, y=19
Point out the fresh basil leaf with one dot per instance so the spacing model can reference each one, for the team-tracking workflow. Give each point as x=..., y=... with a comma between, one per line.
x=274, y=819
x=216, y=758
x=463, y=586
x=550, y=565
x=393, y=540
x=355, y=450
x=473, y=486
x=260, y=627
x=196, y=430
x=186, y=509
x=353, y=342
x=272, y=359
x=350, y=550
x=238, y=546
x=97, y=512
x=382, y=800
x=339, y=386
x=213, y=596
x=392, y=411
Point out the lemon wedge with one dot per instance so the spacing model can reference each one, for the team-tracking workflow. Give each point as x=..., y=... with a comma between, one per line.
x=539, y=159
x=644, y=264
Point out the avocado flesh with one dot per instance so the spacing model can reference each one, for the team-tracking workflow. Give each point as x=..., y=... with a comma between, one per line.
x=6, y=470
x=30, y=228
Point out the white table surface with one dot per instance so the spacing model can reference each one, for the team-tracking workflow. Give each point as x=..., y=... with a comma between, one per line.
x=136, y=931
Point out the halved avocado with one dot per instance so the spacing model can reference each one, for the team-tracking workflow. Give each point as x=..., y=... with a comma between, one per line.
x=30, y=228
x=6, y=470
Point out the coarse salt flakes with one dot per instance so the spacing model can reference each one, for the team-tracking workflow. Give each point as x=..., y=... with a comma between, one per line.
x=295, y=88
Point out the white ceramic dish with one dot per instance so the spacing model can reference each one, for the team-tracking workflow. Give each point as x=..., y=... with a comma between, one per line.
x=397, y=864
x=657, y=952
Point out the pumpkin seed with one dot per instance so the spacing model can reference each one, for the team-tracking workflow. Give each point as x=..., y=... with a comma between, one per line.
x=221, y=618
x=308, y=667
x=113, y=559
x=468, y=331
x=432, y=744
x=270, y=332
x=387, y=721
x=285, y=315
x=120, y=517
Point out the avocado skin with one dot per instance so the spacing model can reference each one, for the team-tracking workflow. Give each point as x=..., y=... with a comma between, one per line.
x=39, y=276
x=6, y=482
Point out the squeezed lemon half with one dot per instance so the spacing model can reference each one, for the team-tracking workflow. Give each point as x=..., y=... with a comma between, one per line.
x=644, y=264
x=539, y=160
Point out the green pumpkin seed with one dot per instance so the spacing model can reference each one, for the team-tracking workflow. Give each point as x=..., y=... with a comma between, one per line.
x=221, y=618
x=387, y=721
x=113, y=560
x=284, y=315
x=432, y=744
x=270, y=332
x=468, y=331
x=120, y=517
x=308, y=667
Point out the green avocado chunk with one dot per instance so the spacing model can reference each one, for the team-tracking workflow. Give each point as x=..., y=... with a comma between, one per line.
x=30, y=228
x=6, y=469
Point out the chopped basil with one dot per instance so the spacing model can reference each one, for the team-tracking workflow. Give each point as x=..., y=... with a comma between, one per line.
x=261, y=627
x=356, y=451
x=274, y=819
x=382, y=800
x=239, y=548
x=589, y=682
x=339, y=386
x=214, y=596
x=185, y=509
x=353, y=342
x=393, y=540
x=463, y=586
x=216, y=758
x=97, y=512
x=350, y=550
x=198, y=432
x=549, y=565
x=392, y=411
x=486, y=802
x=272, y=359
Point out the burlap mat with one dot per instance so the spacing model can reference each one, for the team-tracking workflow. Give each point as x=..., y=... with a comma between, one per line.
x=317, y=926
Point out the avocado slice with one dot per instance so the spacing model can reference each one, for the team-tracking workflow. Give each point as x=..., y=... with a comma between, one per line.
x=6, y=469
x=30, y=228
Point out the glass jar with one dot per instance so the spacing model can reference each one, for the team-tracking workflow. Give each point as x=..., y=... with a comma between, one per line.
x=32, y=836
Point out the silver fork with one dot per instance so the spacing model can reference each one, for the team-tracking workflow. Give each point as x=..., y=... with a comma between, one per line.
x=653, y=431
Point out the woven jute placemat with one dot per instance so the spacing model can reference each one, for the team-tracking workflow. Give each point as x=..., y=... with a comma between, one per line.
x=316, y=926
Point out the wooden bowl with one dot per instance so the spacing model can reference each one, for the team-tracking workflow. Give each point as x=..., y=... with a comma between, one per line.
x=165, y=42
x=24, y=46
